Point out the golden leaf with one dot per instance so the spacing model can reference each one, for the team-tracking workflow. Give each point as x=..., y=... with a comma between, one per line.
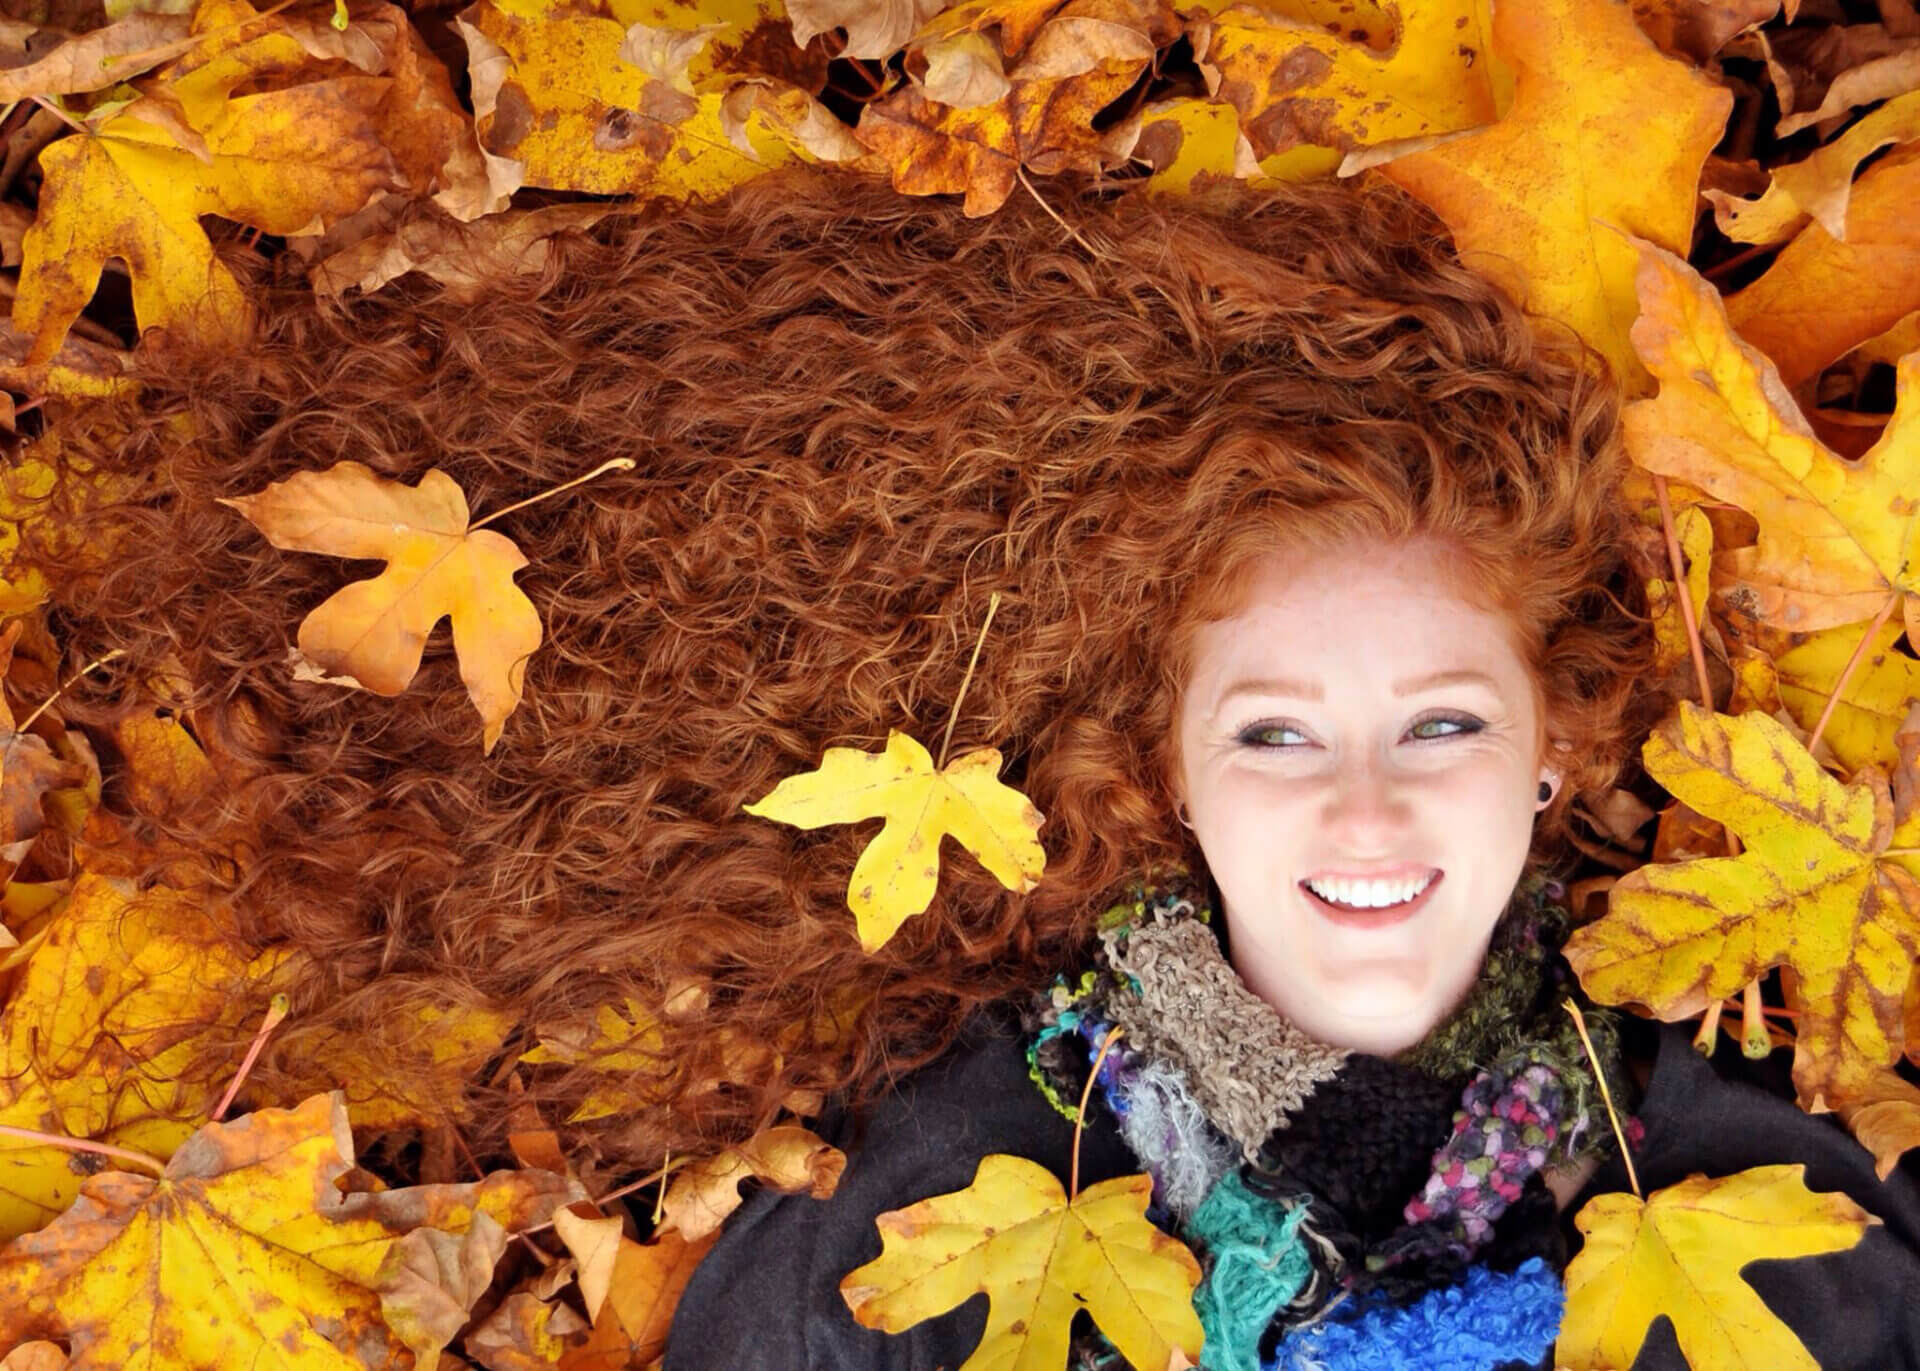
x=116, y=1000
x=1823, y=296
x=1836, y=537
x=1680, y=1254
x=785, y=1157
x=282, y=1267
x=898, y=872
x=375, y=631
x=1819, y=186
x=1294, y=82
x=525, y=1333
x=1040, y=1258
x=1811, y=892
x=1876, y=698
x=1603, y=134
x=668, y=98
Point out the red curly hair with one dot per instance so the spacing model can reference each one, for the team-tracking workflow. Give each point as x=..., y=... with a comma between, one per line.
x=855, y=416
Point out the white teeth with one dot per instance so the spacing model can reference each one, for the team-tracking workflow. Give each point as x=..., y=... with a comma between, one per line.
x=1369, y=894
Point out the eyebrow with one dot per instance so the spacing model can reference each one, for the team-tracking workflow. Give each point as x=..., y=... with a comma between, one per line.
x=1307, y=690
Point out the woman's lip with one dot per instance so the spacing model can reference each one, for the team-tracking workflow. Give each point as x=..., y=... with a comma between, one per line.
x=1373, y=918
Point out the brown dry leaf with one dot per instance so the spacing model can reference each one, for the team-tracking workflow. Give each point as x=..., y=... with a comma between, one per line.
x=785, y=1157
x=1882, y=78
x=248, y=1217
x=1604, y=134
x=525, y=1333
x=875, y=29
x=648, y=1280
x=594, y=1240
x=1698, y=29
x=1823, y=297
x=465, y=258
x=371, y=634
x=28, y=768
x=1295, y=83
x=100, y=58
x=1881, y=1109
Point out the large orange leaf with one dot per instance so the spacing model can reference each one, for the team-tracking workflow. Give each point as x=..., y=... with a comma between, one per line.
x=1837, y=537
x=246, y=1253
x=1680, y=1254
x=373, y=632
x=1604, y=134
x=1811, y=892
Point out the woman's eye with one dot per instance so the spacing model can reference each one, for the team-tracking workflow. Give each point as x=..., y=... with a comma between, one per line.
x=1275, y=736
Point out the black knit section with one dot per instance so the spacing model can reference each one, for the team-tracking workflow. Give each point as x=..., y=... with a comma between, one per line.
x=1363, y=1143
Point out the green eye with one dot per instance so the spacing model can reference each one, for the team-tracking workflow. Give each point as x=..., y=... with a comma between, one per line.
x=1459, y=725
x=1267, y=735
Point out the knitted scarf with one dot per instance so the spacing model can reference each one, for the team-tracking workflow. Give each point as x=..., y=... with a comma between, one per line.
x=1348, y=1210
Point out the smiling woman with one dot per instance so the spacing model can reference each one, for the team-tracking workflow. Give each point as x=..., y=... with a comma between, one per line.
x=1302, y=534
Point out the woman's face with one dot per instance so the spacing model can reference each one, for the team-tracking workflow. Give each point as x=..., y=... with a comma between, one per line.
x=1357, y=720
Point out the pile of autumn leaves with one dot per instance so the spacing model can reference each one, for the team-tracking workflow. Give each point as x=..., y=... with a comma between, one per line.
x=1566, y=142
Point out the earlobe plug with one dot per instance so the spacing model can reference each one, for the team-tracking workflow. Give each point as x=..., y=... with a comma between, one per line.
x=1546, y=791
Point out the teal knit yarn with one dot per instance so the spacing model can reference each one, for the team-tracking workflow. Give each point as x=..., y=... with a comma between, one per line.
x=1256, y=1261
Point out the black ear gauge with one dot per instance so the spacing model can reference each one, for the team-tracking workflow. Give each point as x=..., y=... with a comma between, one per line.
x=1546, y=791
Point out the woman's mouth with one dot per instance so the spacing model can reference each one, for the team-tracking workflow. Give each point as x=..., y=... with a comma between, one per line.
x=1358, y=904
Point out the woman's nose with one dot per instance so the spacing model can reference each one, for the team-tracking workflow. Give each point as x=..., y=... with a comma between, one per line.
x=1366, y=809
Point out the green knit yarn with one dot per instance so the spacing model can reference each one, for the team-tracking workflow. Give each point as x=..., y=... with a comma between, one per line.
x=1256, y=1261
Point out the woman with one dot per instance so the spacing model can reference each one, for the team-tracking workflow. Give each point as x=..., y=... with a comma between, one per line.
x=1314, y=598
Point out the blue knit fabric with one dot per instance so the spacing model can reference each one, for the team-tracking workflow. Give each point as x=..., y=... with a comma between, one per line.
x=1256, y=1261
x=1488, y=1319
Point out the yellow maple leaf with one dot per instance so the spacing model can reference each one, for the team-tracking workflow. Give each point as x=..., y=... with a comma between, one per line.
x=1296, y=82
x=1680, y=1253
x=374, y=632
x=1810, y=892
x=898, y=872
x=282, y=1268
x=1883, y=684
x=119, y=994
x=1836, y=536
x=1040, y=1258
x=657, y=98
x=1189, y=141
x=1604, y=134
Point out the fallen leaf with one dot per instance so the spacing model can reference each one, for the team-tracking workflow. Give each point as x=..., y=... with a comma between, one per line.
x=648, y=1280
x=117, y=998
x=1881, y=1109
x=248, y=1218
x=1698, y=29
x=1295, y=83
x=1822, y=296
x=1880, y=79
x=28, y=767
x=785, y=1157
x=100, y=58
x=1604, y=134
x=1819, y=186
x=1811, y=891
x=898, y=872
x=875, y=29
x=1878, y=693
x=468, y=259
x=594, y=1243
x=524, y=1334
x=375, y=631
x=1835, y=537
x=624, y=1046
x=1680, y=1254
x=1040, y=1258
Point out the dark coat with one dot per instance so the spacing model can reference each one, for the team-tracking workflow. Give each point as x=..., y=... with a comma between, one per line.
x=767, y=1296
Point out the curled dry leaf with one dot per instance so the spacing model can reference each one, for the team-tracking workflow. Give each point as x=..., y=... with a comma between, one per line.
x=525, y=1333
x=376, y=631
x=899, y=870
x=1820, y=186
x=786, y=1157
x=100, y=58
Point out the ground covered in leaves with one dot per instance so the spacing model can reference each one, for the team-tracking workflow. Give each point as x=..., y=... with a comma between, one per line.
x=1717, y=194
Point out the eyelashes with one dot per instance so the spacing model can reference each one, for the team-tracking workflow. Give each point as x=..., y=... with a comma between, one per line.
x=1262, y=736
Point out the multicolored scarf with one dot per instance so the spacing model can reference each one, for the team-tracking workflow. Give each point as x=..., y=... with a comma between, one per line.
x=1349, y=1210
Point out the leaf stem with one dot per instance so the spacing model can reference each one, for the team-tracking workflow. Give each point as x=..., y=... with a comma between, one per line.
x=1859, y=651
x=1080, y=1114
x=615, y=464
x=993, y=603
x=625, y=1190
x=158, y=1167
x=28, y=722
x=276, y=1011
x=1580, y=1025
x=1683, y=595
